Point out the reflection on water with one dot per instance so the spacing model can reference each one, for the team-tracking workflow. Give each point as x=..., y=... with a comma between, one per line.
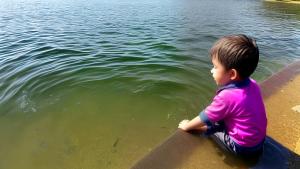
x=85, y=84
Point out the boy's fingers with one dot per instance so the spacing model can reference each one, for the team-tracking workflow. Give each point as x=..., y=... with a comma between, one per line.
x=183, y=121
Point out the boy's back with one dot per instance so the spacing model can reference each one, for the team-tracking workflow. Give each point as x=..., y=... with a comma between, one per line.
x=241, y=107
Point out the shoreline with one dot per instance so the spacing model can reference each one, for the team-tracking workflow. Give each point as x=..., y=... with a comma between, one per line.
x=284, y=1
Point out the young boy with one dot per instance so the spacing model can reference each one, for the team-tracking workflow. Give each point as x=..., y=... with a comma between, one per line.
x=236, y=117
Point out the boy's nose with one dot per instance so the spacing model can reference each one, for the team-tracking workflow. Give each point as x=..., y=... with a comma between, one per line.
x=212, y=71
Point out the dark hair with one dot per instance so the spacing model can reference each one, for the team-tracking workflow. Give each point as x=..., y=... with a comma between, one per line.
x=236, y=52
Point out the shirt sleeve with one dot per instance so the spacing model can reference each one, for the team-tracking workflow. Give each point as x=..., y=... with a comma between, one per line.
x=216, y=111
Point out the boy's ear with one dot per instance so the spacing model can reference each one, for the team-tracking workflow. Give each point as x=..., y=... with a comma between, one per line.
x=234, y=74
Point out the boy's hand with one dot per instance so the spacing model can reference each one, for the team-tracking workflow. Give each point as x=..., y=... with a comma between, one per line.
x=183, y=124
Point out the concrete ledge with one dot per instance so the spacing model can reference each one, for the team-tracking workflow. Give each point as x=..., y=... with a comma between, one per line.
x=276, y=81
x=171, y=152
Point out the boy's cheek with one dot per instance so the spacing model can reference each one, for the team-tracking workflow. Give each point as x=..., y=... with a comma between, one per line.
x=214, y=75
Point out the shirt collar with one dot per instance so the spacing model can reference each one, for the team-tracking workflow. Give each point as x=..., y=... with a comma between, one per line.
x=235, y=85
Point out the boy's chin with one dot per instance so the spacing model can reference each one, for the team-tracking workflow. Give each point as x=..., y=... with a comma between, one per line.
x=219, y=84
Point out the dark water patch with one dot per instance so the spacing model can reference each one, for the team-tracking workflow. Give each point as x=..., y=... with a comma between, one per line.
x=122, y=59
x=209, y=36
x=10, y=55
x=112, y=53
x=16, y=44
x=113, y=46
x=103, y=42
x=141, y=28
x=110, y=33
x=55, y=84
x=162, y=86
x=41, y=49
x=131, y=35
x=137, y=43
x=26, y=41
x=178, y=57
x=137, y=52
x=162, y=46
x=55, y=52
x=188, y=39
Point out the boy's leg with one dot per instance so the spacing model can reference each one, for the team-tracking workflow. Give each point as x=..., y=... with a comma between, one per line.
x=218, y=133
x=224, y=141
x=222, y=138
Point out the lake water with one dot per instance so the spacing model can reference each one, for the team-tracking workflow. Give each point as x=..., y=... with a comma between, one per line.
x=99, y=83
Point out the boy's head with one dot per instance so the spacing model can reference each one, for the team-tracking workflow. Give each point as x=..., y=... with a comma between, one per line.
x=237, y=52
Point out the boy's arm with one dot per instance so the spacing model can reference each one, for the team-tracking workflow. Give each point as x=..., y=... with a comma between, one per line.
x=194, y=124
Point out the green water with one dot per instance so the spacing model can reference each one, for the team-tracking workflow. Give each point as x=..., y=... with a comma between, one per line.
x=98, y=84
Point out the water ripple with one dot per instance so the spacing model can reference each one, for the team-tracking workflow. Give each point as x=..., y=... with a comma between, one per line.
x=140, y=53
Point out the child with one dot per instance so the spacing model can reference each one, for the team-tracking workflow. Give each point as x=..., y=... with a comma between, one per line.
x=236, y=118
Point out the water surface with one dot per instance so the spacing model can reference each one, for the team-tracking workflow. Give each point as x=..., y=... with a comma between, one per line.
x=98, y=84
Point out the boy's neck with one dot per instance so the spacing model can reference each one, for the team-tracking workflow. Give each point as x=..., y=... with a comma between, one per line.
x=235, y=84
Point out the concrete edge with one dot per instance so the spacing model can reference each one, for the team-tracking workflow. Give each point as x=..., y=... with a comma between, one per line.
x=279, y=79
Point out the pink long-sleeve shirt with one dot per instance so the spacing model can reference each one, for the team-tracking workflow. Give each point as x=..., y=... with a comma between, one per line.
x=240, y=106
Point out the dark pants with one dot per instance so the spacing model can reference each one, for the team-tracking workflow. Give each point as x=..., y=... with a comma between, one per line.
x=218, y=133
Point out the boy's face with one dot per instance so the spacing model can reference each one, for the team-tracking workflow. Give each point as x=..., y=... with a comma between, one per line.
x=219, y=73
